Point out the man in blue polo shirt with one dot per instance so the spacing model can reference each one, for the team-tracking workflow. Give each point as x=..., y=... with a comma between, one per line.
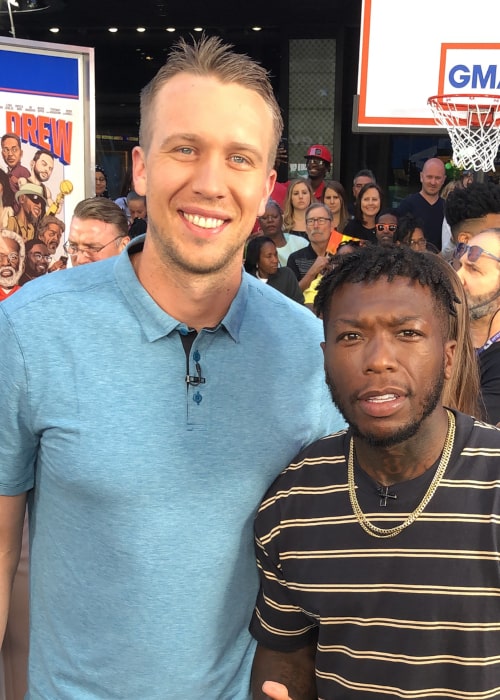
x=149, y=420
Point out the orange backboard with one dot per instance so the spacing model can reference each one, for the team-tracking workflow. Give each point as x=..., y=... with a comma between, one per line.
x=413, y=49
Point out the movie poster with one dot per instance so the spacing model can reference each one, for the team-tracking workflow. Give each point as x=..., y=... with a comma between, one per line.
x=47, y=137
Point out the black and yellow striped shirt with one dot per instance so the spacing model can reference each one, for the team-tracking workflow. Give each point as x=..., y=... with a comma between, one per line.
x=414, y=616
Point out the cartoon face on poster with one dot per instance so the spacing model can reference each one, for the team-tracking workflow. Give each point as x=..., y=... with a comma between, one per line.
x=46, y=163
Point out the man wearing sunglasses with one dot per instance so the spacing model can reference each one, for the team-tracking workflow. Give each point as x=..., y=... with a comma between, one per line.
x=318, y=164
x=386, y=229
x=32, y=205
x=479, y=272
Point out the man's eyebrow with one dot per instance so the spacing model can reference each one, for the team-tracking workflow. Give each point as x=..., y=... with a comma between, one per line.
x=347, y=322
x=83, y=245
x=179, y=136
x=357, y=323
x=470, y=264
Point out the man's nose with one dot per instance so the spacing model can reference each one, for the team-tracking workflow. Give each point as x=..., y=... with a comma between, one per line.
x=380, y=355
x=210, y=177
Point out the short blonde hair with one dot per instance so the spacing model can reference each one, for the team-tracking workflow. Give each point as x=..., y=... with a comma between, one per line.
x=210, y=57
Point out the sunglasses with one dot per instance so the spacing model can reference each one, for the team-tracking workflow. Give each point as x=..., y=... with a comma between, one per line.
x=35, y=198
x=474, y=252
x=316, y=161
x=387, y=227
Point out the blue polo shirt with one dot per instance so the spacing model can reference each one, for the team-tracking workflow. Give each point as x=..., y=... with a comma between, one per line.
x=145, y=488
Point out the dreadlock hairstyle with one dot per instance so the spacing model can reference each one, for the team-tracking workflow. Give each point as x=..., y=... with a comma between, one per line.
x=371, y=263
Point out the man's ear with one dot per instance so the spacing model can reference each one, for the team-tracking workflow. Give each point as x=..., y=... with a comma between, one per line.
x=124, y=240
x=450, y=349
x=464, y=237
x=139, y=170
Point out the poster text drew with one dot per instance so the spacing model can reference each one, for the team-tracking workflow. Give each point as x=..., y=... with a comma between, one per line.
x=42, y=132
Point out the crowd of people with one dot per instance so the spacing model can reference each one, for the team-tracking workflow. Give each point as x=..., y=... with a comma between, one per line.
x=31, y=238
x=376, y=538
x=309, y=233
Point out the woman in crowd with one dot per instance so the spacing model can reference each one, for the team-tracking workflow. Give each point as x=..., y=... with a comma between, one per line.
x=101, y=182
x=334, y=198
x=411, y=233
x=271, y=224
x=261, y=261
x=298, y=197
x=368, y=206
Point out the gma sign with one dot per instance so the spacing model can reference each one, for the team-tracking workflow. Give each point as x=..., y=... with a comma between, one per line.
x=470, y=68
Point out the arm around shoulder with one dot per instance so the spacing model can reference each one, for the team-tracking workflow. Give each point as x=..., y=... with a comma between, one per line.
x=12, y=510
x=284, y=675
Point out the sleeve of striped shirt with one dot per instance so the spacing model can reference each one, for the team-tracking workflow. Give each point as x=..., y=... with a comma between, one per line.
x=277, y=623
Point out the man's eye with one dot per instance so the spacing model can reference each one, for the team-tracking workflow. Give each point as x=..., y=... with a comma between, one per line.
x=349, y=336
x=241, y=160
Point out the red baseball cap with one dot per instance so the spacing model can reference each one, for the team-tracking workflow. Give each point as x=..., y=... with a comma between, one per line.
x=318, y=151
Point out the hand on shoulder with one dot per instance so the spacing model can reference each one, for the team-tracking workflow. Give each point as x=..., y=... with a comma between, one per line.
x=276, y=691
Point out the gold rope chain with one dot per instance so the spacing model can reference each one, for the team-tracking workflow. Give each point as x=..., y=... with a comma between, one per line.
x=372, y=529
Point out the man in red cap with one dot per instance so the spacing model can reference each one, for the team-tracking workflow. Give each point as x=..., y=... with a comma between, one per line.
x=318, y=163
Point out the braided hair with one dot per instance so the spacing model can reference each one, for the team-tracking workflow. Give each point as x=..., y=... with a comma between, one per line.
x=371, y=263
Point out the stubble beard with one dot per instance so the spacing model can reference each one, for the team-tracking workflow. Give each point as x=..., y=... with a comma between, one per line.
x=402, y=433
x=486, y=305
x=31, y=217
x=172, y=255
x=41, y=177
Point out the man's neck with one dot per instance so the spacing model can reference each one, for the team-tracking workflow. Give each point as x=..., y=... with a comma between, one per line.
x=406, y=460
x=431, y=198
x=319, y=248
x=8, y=290
x=482, y=329
x=199, y=301
x=316, y=181
x=23, y=219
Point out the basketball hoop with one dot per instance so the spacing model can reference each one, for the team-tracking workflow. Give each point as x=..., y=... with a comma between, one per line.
x=473, y=123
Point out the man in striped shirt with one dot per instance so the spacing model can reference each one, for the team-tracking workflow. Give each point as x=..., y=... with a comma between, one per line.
x=378, y=547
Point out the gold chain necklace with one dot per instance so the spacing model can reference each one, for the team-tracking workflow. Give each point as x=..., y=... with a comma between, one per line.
x=372, y=529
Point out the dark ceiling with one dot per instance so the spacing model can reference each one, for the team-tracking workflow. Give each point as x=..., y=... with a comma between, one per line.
x=126, y=60
x=89, y=18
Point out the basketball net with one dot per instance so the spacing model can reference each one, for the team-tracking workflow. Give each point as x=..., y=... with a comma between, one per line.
x=473, y=123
